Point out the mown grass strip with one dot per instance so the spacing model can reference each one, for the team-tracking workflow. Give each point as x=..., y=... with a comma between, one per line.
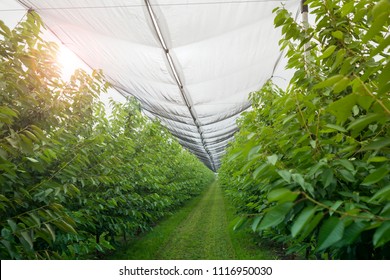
x=202, y=229
x=203, y=235
x=146, y=246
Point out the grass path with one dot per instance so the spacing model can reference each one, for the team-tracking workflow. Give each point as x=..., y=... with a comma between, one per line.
x=203, y=234
x=200, y=230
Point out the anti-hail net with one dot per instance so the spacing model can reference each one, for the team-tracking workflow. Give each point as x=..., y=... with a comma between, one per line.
x=191, y=64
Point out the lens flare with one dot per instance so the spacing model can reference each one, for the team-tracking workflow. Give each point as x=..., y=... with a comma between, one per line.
x=68, y=62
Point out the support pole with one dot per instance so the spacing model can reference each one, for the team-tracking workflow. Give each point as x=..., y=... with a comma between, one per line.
x=305, y=23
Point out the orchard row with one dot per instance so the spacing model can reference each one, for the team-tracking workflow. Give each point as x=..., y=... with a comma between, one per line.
x=310, y=165
x=75, y=181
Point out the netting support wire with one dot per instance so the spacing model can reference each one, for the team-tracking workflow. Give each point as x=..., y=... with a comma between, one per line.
x=178, y=81
x=305, y=23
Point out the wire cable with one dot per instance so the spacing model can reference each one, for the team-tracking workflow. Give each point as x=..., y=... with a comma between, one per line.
x=143, y=5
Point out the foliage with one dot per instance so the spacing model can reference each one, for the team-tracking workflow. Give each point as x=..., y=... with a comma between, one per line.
x=72, y=179
x=310, y=165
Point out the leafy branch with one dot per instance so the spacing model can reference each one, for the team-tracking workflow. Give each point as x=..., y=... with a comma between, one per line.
x=345, y=214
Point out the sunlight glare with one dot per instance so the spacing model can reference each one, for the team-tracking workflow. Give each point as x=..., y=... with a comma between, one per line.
x=68, y=62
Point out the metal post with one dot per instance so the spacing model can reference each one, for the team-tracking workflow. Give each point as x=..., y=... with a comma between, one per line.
x=305, y=23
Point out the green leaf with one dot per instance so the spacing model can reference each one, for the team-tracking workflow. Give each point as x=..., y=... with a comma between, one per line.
x=64, y=226
x=342, y=108
x=51, y=231
x=365, y=101
x=381, y=47
x=12, y=224
x=340, y=56
x=280, y=18
x=9, y=247
x=327, y=177
x=239, y=222
x=253, y=152
x=328, y=82
x=282, y=195
x=358, y=83
x=335, y=206
x=311, y=226
x=331, y=232
x=256, y=222
x=381, y=195
x=352, y=232
x=336, y=127
x=347, y=8
x=377, y=144
x=359, y=124
x=26, y=144
x=384, y=75
x=272, y=159
x=286, y=175
x=377, y=159
x=308, y=187
x=275, y=215
x=4, y=30
x=26, y=236
x=347, y=65
x=314, y=170
x=302, y=220
x=297, y=178
x=31, y=135
x=234, y=156
x=385, y=211
x=377, y=25
x=382, y=6
x=38, y=132
x=259, y=169
x=346, y=163
x=32, y=159
x=341, y=85
x=383, y=80
x=338, y=34
x=347, y=175
x=3, y=198
x=382, y=234
x=376, y=176
x=328, y=52
x=35, y=218
x=8, y=111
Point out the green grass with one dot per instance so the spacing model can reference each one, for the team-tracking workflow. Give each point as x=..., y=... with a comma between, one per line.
x=203, y=234
x=144, y=247
x=202, y=229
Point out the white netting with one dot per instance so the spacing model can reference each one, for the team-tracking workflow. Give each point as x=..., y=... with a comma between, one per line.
x=192, y=64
